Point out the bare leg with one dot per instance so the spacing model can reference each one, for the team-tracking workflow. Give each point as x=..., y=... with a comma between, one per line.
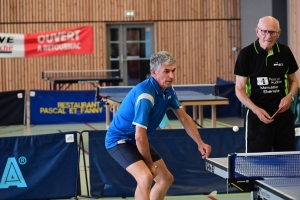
x=143, y=177
x=163, y=181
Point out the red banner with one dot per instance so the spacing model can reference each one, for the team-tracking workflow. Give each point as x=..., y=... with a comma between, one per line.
x=68, y=41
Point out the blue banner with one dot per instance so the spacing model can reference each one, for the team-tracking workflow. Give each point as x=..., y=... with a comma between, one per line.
x=58, y=107
x=39, y=167
x=181, y=155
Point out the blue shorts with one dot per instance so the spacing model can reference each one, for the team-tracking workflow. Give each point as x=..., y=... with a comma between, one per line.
x=127, y=153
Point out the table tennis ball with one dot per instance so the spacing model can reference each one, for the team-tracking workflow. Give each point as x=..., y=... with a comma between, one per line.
x=235, y=128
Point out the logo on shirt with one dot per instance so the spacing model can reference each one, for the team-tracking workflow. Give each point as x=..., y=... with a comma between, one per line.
x=278, y=64
x=169, y=97
x=262, y=81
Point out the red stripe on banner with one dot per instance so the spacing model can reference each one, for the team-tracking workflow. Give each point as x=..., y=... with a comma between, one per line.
x=68, y=41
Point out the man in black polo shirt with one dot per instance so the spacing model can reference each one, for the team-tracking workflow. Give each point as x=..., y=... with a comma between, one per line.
x=265, y=82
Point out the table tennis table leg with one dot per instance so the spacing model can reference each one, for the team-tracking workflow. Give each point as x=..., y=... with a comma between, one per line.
x=254, y=195
x=213, y=116
x=107, y=115
x=195, y=108
x=115, y=108
x=201, y=119
x=184, y=108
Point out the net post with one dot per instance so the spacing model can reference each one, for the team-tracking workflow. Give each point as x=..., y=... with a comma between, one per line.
x=231, y=166
x=81, y=149
x=244, y=184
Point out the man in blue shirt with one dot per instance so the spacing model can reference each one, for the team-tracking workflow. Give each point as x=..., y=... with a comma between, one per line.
x=139, y=115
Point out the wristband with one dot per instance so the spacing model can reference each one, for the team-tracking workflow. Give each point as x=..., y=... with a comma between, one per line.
x=291, y=96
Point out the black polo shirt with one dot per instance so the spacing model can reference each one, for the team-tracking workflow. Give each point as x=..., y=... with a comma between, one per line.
x=267, y=73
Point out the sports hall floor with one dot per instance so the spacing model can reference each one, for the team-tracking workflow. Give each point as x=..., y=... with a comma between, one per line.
x=21, y=130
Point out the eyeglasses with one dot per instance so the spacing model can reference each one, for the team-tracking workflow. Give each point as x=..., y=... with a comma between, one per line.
x=265, y=32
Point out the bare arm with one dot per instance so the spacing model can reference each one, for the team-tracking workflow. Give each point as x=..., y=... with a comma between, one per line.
x=142, y=144
x=293, y=88
x=192, y=131
x=293, y=82
x=240, y=91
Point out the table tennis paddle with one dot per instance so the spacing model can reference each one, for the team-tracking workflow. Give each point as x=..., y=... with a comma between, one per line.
x=276, y=112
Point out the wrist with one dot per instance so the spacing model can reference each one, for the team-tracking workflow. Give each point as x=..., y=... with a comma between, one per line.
x=291, y=96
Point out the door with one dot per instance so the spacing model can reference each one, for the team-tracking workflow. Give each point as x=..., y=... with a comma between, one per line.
x=130, y=48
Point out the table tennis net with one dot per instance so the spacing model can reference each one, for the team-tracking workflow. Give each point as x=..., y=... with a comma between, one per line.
x=80, y=73
x=113, y=90
x=188, y=91
x=267, y=166
x=283, y=182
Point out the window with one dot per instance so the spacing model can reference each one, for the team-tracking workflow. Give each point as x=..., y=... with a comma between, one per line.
x=130, y=48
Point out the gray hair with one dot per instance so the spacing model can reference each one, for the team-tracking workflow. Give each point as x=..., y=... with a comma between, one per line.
x=161, y=57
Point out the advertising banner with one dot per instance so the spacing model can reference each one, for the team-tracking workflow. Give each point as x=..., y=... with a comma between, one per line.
x=68, y=41
x=11, y=45
x=58, y=107
x=62, y=42
x=181, y=155
x=39, y=167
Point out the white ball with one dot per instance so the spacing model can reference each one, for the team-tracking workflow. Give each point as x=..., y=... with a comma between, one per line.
x=235, y=128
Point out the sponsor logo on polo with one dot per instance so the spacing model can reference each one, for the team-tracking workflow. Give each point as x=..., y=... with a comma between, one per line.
x=262, y=81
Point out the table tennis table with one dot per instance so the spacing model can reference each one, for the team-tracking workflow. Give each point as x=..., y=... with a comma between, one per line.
x=186, y=98
x=273, y=175
x=64, y=79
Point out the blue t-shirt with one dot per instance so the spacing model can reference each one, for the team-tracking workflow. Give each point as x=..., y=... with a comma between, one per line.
x=145, y=105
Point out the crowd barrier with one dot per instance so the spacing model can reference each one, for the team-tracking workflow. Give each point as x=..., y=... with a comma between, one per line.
x=180, y=153
x=12, y=108
x=39, y=167
x=46, y=166
x=57, y=107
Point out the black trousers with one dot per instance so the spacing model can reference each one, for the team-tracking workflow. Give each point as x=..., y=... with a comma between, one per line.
x=276, y=136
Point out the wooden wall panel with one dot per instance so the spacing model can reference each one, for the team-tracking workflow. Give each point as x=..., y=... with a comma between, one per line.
x=203, y=49
x=200, y=33
x=196, y=9
x=294, y=33
x=113, y=10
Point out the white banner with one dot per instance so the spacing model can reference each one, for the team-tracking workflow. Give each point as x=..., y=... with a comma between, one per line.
x=11, y=45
